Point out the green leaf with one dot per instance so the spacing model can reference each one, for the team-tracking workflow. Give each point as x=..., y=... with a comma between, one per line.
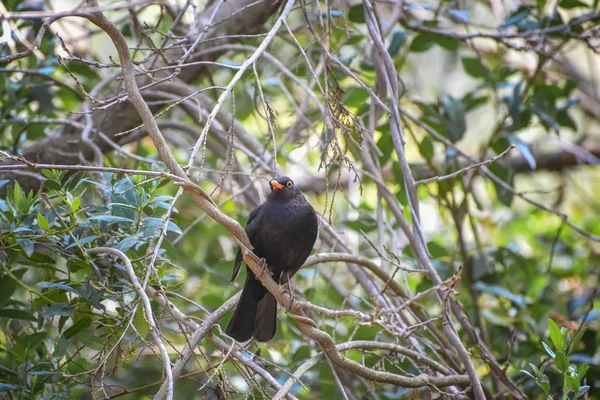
x=125, y=192
x=546, y=119
x=140, y=324
x=524, y=149
x=426, y=147
x=75, y=204
x=572, y=383
x=82, y=241
x=582, y=391
x=514, y=19
x=302, y=353
x=74, y=180
x=52, y=185
x=152, y=226
x=366, y=333
x=515, y=108
x=34, y=339
x=77, y=327
x=446, y=43
x=500, y=144
x=61, y=323
x=62, y=309
x=362, y=224
x=55, y=285
x=110, y=219
x=357, y=14
x=455, y=115
x=42, y=373
x=42, y=222
x=170, y=277
x=16, y=314
x=19, y=198
x=561, y=361
x=475, y=68
x=504, y=195
x=460, y=16
x=436, y=250
x=172, y=227
x=556, y=336
x=564, y=119
x=75, y=264
x=354, y=39
x=122, y=205
x=127, y=243
x=471, y=102
x=548, y=350
x=576, y=340
x=8, y=285
x=356, y=96
x=26, y=245
x=7, y=371
x=162, y=182
x=582, y=369
x=385, y=143
x=527, y=373
x=91, y=340
x=421, y=43
x=572, y=4
x=398, y=39
x=6, y=387
x=536, y=371
x=570, y=86
x=545, y=386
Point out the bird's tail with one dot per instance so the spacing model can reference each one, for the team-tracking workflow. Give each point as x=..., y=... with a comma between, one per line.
x=241, y=325
x=266, y=318
x=255, y=314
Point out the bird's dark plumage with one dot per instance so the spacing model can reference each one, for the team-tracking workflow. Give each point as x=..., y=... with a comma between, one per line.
x=282, y=230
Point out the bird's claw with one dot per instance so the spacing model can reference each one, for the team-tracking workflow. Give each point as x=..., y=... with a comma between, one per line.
x=264, y=265
x=291, y=303
x=286, y=289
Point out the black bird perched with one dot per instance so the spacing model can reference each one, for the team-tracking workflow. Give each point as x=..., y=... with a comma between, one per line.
x=282, y=230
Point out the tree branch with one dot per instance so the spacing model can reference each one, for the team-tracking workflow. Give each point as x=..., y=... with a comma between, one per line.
x=306, y=325
x=64, y=148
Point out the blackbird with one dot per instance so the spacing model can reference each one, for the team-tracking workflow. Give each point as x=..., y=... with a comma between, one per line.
x=282, y=231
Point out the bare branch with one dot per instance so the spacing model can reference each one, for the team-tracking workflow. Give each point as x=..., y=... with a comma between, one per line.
x=147, y=312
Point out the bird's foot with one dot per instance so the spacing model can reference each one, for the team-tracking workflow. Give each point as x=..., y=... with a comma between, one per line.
x=286, y=289
x=291, y=303
x=264, y=266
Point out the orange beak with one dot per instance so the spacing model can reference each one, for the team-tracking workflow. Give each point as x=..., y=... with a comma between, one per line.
x=276, y=185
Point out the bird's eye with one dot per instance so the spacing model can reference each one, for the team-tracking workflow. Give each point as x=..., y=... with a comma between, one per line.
x=289, y=184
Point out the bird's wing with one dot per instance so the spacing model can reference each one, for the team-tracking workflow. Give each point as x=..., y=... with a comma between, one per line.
x=251, y=230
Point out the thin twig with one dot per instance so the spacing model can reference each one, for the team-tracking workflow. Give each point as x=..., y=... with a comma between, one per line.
x=463, y=170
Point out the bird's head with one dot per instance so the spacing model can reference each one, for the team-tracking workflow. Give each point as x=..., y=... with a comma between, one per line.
x=283, y=187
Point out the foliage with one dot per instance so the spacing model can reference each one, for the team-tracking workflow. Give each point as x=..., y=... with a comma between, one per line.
x=55, y=324
x=572, y=377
